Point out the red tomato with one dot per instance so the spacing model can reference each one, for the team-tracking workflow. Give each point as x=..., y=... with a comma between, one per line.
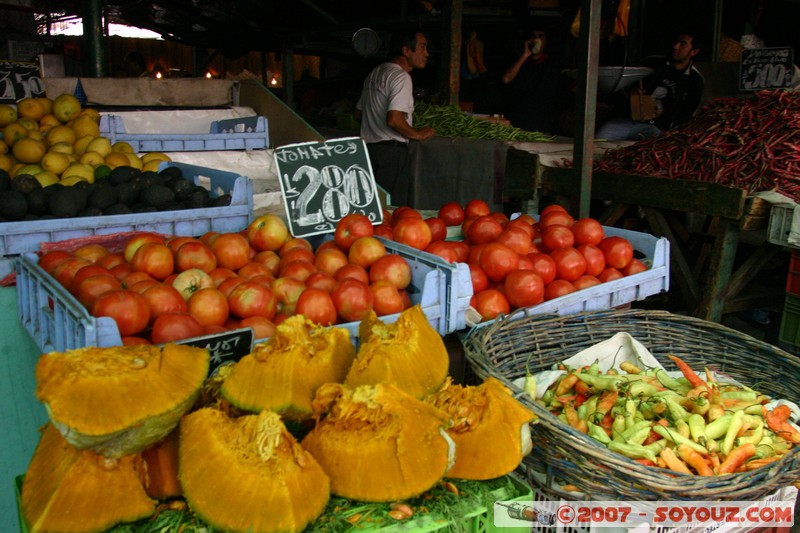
x=392, y=268
x=295, y=242
x=162, y=299
x=141, y=286
x=352, y=271
x=634, y=267
x=484, y=229
x=595, y=259
x=299, y=269
x=386, y=298
x=474, y=253
x=461, y=250
x=525, y=263
x=352, y=299
x=91, y=252
x=556, y=217
x=497, y=260
x=87, y=272
x=209, y=237
x=588, y=231
x=111, y=260
x=468, y=221
x=443, y=249
x=412, y=232
x=438, y=228
x=128, y=309
x=610, y=274
x=269, y=259
x=558, y=287
x=523, y=288
x=90, y=288
x=195, y=254
x=134, y=341
x=49, y=260
x=232, y=250
x=452, y=213
x=477, y=208
x=317, y=306
x=171, y=327
x=366, y=250
x=177, y=241
x=384, y=230
x=321, y=280
x=250, y=298
x=552, y=207
x=154, y=258
x=618, y=251
x=516, y=238
x=227, y=285
x=330, y=259
x=135, y=277
x=220, y=274
x=479, y=280
x=557, y=236
x=209, y=306
x=405, y=211
x=570, y=263
x=121, y=270
x=586, y=281
x=287, y=290
x=522, y=224
x=66, y=269
x=351, y=227
x=253, y=269
x=135, y=242
x=190, y=281
x=296, y=254
x=267, y=232
x=490, y=303
x=263, y=328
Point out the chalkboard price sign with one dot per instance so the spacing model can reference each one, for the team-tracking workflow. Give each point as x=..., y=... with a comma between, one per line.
x=766, y=68
x=227, y=347
x=324, y=181
x=18, y=81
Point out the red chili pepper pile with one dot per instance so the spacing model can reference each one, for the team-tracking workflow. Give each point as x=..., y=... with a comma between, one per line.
x=751, y=143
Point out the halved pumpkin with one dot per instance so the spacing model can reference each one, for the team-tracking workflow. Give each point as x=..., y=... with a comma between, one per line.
x=409, y=353
x=249, y=474
x=283, y=373
x=378, y=443
x=120, y=400
x=71, y=490
x=489, y=426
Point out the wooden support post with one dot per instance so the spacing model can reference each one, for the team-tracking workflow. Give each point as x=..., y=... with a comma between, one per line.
x=719, y=271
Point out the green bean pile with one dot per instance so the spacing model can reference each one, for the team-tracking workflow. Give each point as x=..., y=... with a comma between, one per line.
x=450, y=121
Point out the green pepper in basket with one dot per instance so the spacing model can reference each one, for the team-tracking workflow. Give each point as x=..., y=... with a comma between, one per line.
x=632, y=451
x=733, y=430
x=598, y=433
x=600, y=383
x=672, y=435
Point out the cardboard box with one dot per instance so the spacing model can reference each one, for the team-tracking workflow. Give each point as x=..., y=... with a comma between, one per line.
x=643, y=106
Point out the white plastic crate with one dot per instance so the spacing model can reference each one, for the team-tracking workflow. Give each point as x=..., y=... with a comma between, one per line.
x=780, y=223
x=20, y=237
x=246, y=133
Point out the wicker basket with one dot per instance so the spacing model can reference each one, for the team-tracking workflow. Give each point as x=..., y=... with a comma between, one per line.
x=502, y=350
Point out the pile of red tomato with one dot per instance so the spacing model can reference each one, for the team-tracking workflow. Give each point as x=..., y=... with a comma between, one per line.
x=160, y=289
x=517, y=263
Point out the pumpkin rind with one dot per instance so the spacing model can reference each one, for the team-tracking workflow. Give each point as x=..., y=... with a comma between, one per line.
x=378, y=443
x=67, y=490
x=409, y=353
x=283, y=373
x=120, y=400
x=489, y=426
x=249, y=473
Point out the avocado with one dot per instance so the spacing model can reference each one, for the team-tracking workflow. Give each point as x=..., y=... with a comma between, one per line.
x=129, y=193
x=145, y=209
x=182, y=188
x=103, y=197
x=66, y=203
x=90, y=212
x=148, y=179
x=123, y=174
x=5, y=180
x=13, y=205
x=221, y=201
x=38, y=202
x=171, y=172
x=157, y=196
x=25, y=183
x=118, y=209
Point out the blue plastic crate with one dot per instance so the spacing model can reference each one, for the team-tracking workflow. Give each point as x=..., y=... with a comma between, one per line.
x=20, y=237
x=246, y=133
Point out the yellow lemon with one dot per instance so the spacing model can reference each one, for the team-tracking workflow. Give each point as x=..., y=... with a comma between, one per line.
x=47, y=105
x=55, y=162
x=8, y=115
x=134, y=161
x=155, y=156
x=48, y=122
x=117, y=159
x=92, y=158
x=122, y=146
x=101, y=145
x=72, y=180
x=28, y=123
x=85, y=125
x=66, y=107
x=3, y=147
x=79, y=146
x=36, y=135
x=30, y=169
x=151, y=165
x=81, y=170
x=62, y=148
x=29, y=150
x=7, y=162
x=14, y=132
x=59, y=134
x=91, y=112
x=30, y=108
x=46, y=178
x=15, y=168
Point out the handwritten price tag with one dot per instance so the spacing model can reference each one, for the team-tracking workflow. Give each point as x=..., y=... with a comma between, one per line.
x=227, y=347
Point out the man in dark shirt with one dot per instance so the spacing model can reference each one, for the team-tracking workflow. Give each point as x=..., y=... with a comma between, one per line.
x=533, y=86
x=676, y=87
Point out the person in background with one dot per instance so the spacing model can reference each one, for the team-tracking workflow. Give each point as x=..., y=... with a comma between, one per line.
x=533, y=81
x=386, y=109
x=677, y=86
x=134, y=65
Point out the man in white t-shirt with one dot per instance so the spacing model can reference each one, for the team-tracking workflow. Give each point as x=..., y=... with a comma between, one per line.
x=386, y=109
